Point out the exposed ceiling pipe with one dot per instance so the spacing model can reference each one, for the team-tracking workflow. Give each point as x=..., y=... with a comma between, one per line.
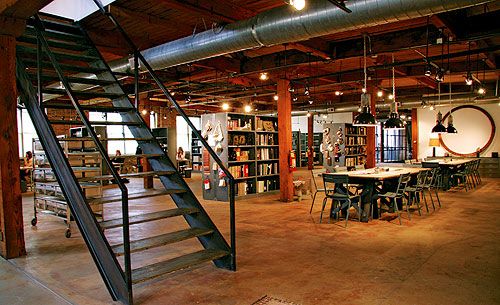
x=285, y=25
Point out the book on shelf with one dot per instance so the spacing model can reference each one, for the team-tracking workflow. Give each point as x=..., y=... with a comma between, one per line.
x=266, y=139
x=267, y=153
x=264, y=169
x=267, y=185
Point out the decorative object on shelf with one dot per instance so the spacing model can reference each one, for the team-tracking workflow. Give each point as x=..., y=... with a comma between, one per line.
x=218, y=132
x=268, y=125
x=394, y=122
x=365, y=118
x=207, y=130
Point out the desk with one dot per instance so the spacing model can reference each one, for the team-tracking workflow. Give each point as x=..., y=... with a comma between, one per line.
x=368, y=179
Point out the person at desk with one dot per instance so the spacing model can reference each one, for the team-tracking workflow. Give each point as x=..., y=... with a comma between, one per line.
x=27, y=166
x=118, y=161
x=180, y=157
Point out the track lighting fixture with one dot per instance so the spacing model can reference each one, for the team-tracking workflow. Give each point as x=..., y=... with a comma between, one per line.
x=311, y=102
x=428, y=70
x=439, y=128
x=440, y=75
x=308, y=114
x=380, y=93
x=468, y=79
x=275, y=97
x=481, y=91
x=248, y=108
x=306, y=90
x=295, y=98
x=338, y=93
x=225, y=106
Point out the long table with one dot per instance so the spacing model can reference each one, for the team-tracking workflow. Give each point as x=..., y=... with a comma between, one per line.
x=368, y=179
x=448, y=167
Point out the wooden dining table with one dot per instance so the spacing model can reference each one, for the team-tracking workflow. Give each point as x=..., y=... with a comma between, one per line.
x=448, y=168
x=369, y=178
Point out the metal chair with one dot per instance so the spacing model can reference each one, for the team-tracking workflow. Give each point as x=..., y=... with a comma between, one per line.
x=336, y=189
x=315, y=174
x=416, y=190
x=463, y=177
x=403, y=181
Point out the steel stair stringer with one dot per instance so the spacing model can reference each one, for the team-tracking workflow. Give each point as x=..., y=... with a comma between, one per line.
x=99, y=248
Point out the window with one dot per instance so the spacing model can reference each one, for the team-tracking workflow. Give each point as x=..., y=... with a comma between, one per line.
x=393, y=145
x=25, y=132
x=184, y=132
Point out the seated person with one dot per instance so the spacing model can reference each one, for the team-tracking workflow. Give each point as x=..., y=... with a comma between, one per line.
x=181, y=157
x=27, y=166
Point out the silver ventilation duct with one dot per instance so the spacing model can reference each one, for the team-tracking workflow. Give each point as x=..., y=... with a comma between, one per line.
x=285, y=25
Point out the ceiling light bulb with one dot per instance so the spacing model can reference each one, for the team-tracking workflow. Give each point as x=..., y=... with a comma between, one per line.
x=144, y=112
x=164, y=117
x=152, y=112
x=428, y=71
x=308, y=114
x=275, y=97
x=363, y=90
x=359, y=109
x=481, y=90
x=380, y=93
x=391, y=96
x=172, y=93
x=431, y=107
x=264, y=76
x=306, y=90
x=225, y=106
x=337, y=93
x=440, y=76
x=248, y=108
x=298, y=4
x=310, y=102
x=295, y=99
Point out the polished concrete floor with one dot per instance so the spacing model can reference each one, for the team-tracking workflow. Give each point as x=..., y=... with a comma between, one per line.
x=449, y=256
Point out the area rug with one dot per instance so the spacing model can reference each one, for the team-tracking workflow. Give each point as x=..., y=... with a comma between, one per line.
x=265, y=300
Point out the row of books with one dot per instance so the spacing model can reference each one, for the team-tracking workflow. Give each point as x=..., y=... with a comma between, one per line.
x=238, y=124
x=266, y=139
x=355, y=161
x=267, y=185
x=356, y=140
x=238, y=154
x=240, y=171
x=267, y=153
x=267, y=168
x=243, y=188
x=355, y=150
x=355, y=130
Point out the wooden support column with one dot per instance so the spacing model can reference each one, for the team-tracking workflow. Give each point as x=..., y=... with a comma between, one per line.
x=310, y=140
x=143, y=105
x=414, y=133
x=11, y=211
x=370, y=131
x=285, y=139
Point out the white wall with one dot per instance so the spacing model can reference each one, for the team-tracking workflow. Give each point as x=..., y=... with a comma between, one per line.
x=473, y=131
x=300, y=122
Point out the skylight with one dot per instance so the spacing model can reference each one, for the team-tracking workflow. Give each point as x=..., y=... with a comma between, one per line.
x=74, y=9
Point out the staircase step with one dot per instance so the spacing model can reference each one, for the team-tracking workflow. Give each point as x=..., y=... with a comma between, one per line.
x=59, y=26
x=94, y=123
x=115, y=223
x=56, y=44
x=71, y=37
x=161, y=240
x=178, y=263
x=59, y=54
x=65, y=67
x=91, y=108
x=131, y=175
x=84, y=94
x=134, y=196
x=71, y=79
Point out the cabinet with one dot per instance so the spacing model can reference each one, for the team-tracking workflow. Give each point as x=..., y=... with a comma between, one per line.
x=248, y=146
x=299, y=144
x=343, y=145
x=48, y=196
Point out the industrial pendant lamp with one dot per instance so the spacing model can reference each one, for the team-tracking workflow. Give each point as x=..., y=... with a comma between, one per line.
x=450, y=128
x=394, y=122
x=365, y=118
x=439, y=128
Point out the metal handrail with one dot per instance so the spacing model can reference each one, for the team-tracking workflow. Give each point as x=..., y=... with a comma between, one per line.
x=86, y=122
x=138, y=56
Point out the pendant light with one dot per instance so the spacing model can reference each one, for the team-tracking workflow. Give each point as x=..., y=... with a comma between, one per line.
x=439, y=128
x=365, y=118
x=394, y=122
x=450, y=128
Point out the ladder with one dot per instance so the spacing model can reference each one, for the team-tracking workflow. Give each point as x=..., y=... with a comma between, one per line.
x=55, y=56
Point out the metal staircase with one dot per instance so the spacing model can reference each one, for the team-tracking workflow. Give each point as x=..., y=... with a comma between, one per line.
x=57, y=50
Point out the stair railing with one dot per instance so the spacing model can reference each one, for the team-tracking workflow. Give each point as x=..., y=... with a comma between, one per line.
x=138, y=57
x=86, y=122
